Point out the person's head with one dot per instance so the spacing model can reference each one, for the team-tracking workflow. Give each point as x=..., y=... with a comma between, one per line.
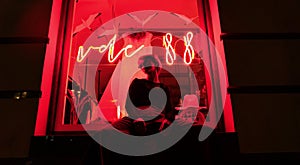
x=150, y=64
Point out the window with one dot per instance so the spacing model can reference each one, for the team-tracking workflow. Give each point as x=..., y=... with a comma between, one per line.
x=100, y=44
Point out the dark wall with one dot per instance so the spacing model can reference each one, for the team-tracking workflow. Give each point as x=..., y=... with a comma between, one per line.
x=23, y=38
x=261, y=44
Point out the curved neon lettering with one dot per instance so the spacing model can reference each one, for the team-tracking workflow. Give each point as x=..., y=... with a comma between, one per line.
x=189, y=50
x=170, y=51
x=167, y=43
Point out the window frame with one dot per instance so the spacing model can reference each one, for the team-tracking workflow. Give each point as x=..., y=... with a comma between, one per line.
x=59, y=84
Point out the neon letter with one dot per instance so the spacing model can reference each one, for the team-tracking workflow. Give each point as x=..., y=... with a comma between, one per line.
x=188, y=48
x=110, y=46
x=170, y=56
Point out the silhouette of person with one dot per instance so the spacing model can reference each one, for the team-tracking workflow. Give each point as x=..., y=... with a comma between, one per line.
x=148, y=101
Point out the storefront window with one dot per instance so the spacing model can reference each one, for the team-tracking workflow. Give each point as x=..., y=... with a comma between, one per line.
x=101, y=51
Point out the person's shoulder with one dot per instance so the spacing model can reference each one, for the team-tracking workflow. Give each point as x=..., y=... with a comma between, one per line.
x=137, y=80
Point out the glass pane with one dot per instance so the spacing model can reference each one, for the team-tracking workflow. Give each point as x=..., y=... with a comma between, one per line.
x=107, y=41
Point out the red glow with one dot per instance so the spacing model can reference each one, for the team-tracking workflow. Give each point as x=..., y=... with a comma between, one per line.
x=86, y=8
x=42, y=115
x=216, y=28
